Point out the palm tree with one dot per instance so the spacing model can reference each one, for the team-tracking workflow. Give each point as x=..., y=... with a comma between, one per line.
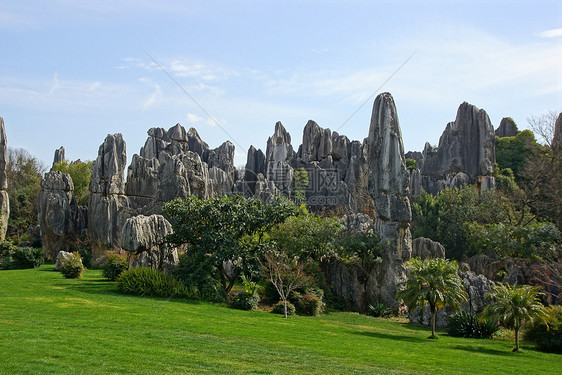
x=513, y=305
x=435, y=282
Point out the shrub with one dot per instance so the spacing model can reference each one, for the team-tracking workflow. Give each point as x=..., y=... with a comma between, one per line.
x=72, y=267
x=270, y=294
x=114, y=265
x=465, y=324
x=245, y=301
x=145, y=281
x=278, y=308
x=548, y=336
x=24, y=257
x=197, y=272
x=379, y=309
x=309, y=304
x=86, y=255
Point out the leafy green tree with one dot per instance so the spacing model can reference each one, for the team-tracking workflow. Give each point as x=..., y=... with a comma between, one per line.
x=300, y=183
x=410, y=164
x=225, y=230
x=513, y=152
x=81, y=173
x=24, y=173
x=433, y=281
x=514, y=305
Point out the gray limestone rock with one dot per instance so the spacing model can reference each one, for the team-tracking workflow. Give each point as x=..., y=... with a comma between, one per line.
x=389, y=187
x=467, y=145
x=196, y=144
x=557, y=139
x=507, y=128
x=415, y=182
x=4, y=199
x=279, y=154
x=144, y=238
x=255, y=164
x=426, y=248
x=60, y=218
x=222, y=157
x=108, y=169
x=357, y=223
x=59, y=156
x=62, y=255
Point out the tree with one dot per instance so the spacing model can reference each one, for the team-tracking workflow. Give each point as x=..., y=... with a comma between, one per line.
x=24, y=173
x=513, y=152
x=544, y=125
x=513, y=305
x=433, y=281
x=286, y=274
x=300, y=183
x=81, y=173
x=226, y=230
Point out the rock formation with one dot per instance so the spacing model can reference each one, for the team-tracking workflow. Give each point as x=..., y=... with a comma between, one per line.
x=278, y=156
x=59, y=156
x=60, y=218
x=466, y=153
x=426, y=248
x=4, y=199
x=144, y=239
x=389, y=187
x=255, y=164
x=557, y=138
x=62, y=255
x=107, y=204
x=507, y=128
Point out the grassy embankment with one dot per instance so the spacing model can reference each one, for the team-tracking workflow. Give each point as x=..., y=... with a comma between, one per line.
x=53, y=325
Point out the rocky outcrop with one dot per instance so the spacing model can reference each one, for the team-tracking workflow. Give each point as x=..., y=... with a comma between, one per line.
x=60, y=218
x=59, y=156
x=144, y=238
x=278, y=156
x=62, y=255
x=255, y=165
x=357, y=223
x=557, y=138
x=4, y=199
x=507, y=128
x=522, y=271
x=425, y=248
x=466, y=153
x=107, y=203
x=389, y=187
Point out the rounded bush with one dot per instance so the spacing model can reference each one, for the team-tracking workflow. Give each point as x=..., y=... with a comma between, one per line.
x=72, y=267
x=278, y=308
x=245, y=301
x=144, y=281
x=270, y=294
x=114, y=266
x=548, y=336
x=309, y=304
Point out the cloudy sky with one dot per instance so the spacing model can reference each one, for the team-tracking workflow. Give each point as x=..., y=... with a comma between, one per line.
x=73, y=71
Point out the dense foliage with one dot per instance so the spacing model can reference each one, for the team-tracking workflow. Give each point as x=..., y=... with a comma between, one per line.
x=114, y=265
x=279, y=308
x=144, y=281
x=548, y=334
x=513, y=152
x=246, y=301
x=464, y=324
x=15, y=257
x=433, y=281
x=197, y=272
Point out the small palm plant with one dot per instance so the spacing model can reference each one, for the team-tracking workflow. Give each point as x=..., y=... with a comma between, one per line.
x=435, y=282
x=513, y=305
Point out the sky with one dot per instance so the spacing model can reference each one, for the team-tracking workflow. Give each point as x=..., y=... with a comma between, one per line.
x=73, y=71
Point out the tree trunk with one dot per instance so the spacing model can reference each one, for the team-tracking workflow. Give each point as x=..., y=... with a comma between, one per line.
x=285, y=308
x=516, y=349
x=231, y=284
x=433, y=314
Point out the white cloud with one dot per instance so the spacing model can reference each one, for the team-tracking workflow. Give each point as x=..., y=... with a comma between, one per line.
x=552, y=33
x=193, y=118
x=153, y=98
x=55, y=84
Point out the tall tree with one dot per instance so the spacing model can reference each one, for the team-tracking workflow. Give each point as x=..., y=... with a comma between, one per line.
x=513, y=305
x=433, y=281
x=81, y=173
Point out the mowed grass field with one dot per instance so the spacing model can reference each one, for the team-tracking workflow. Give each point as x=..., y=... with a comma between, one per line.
x=49, y=324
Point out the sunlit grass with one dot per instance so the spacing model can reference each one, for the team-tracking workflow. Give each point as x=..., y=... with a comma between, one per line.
x=53, y=325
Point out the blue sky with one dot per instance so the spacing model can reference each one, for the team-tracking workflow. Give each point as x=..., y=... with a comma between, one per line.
x=72, y=72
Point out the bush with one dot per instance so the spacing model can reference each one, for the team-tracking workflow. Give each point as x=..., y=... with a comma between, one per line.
x=270, y=294
x=72, y=267
x=24, y=257
x=86, y=255
x=548, y=336
x=309, y=304
x=144, y=281
x=379, y=309
x=278, y=308
x=465, y=324
x=114, y=265
x=198, y=272
x=245, y=301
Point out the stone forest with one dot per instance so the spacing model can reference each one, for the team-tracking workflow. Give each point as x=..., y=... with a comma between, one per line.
x=501, y=233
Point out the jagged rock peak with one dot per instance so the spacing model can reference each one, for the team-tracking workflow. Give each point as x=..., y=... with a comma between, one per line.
x=280, y=135
x=255, y=164
x=3, y=156
x=177, y=133
x=316, y=143
x=507, y=128
x=557, y=139
x=196, y=144
x=108, y=170
x=59, y=156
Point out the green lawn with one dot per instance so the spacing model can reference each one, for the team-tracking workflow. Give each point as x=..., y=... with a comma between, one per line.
x=53, y=325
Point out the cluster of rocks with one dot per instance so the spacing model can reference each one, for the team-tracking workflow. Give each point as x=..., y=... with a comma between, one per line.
x=4, y=199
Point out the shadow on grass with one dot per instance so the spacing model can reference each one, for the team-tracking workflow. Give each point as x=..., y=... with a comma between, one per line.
x=482, y=349
x=386, y=336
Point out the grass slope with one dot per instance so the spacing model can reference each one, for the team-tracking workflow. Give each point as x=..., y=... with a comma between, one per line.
x=52, y=325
